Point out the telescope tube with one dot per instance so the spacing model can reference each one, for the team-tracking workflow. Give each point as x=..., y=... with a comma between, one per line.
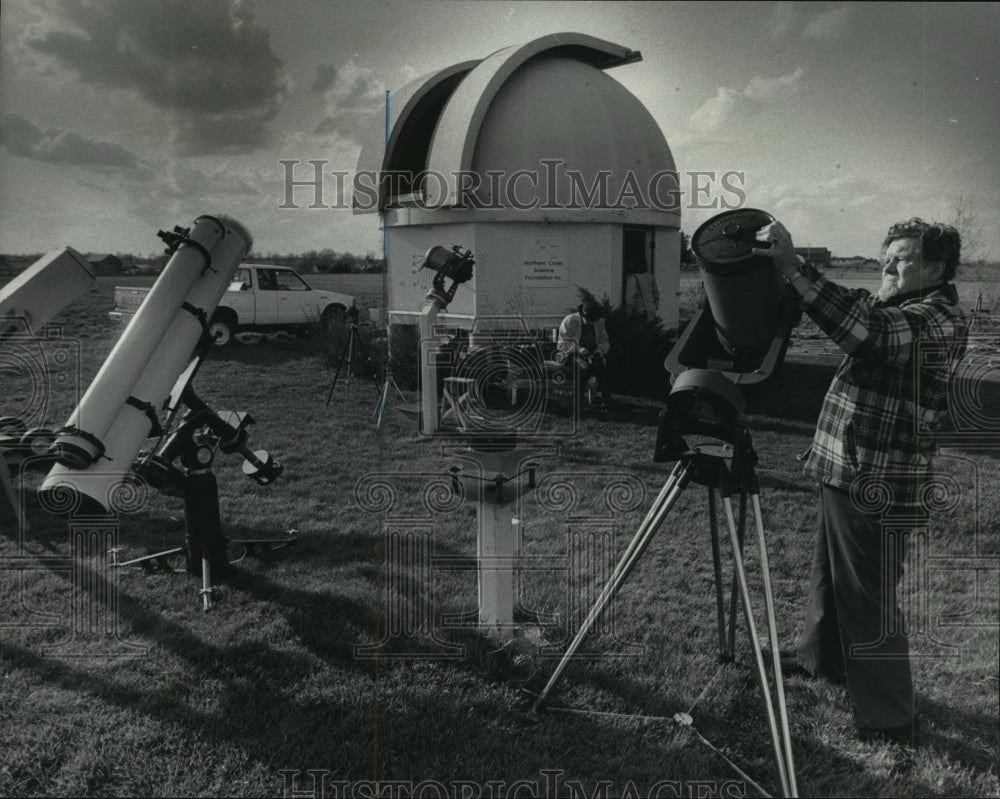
x=743, y=289
x=133, y=415
x=82, y=440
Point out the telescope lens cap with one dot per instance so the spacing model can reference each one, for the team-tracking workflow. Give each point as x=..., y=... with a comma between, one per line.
x=729, y=238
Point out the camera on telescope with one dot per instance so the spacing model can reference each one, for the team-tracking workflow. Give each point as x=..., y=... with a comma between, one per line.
x=454, y=264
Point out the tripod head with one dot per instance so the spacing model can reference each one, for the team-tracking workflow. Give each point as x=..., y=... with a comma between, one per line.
x=193, y=445
x=352, y=316
x=705, y=404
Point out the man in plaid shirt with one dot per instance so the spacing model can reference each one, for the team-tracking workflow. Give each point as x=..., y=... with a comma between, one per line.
x=871, y=454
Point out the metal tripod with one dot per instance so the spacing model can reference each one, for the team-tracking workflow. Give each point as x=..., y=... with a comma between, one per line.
x=726, y=469
x=384, y=398
x=388, y=382
x=347, y=353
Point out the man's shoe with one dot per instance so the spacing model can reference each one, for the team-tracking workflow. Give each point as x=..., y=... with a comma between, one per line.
x=906, y=734
x=790, y=666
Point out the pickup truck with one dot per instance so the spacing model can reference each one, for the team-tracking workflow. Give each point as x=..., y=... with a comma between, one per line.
x=260, y=299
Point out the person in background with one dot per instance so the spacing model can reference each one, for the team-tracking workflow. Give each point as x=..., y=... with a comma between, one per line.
x=583, y=338
x=874, y=438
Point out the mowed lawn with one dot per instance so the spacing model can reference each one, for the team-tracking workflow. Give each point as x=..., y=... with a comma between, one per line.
x=352, y=662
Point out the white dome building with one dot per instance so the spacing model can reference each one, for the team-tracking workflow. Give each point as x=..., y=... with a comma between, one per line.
x=551, y=172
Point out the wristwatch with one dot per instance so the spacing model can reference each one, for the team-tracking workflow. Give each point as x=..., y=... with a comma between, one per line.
x=801, y=273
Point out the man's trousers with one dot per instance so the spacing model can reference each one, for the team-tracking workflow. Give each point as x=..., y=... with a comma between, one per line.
x=853, y=625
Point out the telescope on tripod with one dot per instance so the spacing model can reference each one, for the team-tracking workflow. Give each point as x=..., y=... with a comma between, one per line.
x=352, y=345
x=737, y=339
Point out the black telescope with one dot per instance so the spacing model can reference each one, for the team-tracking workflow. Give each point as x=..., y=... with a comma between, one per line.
x=736, y=340
x=746, y=317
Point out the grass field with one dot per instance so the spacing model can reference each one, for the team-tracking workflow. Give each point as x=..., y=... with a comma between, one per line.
x=351, y=657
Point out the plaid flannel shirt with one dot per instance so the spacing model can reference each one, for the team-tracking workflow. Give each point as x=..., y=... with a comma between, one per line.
x=875, y=433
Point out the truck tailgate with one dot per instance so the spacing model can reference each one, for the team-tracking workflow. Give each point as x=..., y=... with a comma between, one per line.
x=127, y=302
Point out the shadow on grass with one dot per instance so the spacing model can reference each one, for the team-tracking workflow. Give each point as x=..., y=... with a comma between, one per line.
x=415, y=720
x=254, y=707
x=253, y=711
x=974, y=740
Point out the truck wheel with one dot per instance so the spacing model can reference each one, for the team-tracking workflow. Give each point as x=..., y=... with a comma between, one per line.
x=222, y=331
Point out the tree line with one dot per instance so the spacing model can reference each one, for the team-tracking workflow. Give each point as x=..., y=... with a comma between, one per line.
x=325, y=261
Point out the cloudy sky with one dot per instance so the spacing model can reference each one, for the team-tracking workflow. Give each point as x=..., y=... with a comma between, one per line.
x=119, y=118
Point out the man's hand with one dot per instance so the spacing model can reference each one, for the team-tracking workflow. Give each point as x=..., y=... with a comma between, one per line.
x=781, y=251
x=584, y=352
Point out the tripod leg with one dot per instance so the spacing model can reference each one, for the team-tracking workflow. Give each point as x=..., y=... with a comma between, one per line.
x=206, y=583
x=8, y=487
x=368, y=359
x=380, y=407
x=772, y=629
x=350, y=353
x=384, y=399
x=336, y=374
x=668, y=495
x=725, y=653
x=741, y=537
x=779, y=754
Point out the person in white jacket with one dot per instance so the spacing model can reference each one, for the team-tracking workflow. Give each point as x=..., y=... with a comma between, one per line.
x=584, y=338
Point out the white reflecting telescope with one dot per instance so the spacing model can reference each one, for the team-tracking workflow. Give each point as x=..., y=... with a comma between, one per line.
x=97, y=446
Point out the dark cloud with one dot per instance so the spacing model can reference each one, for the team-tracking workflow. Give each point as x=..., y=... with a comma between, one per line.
x=219, y=134
x=354, y=100
x=23, y=138
x=206, y=61
x=326, y=76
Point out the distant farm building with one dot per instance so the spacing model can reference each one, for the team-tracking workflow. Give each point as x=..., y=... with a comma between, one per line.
x=820, y=256
x=857, y=262
x=105, y=264
x=144, y=268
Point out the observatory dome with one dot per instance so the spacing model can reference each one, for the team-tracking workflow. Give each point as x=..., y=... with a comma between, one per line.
x=560, y=118
x=538, y=128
